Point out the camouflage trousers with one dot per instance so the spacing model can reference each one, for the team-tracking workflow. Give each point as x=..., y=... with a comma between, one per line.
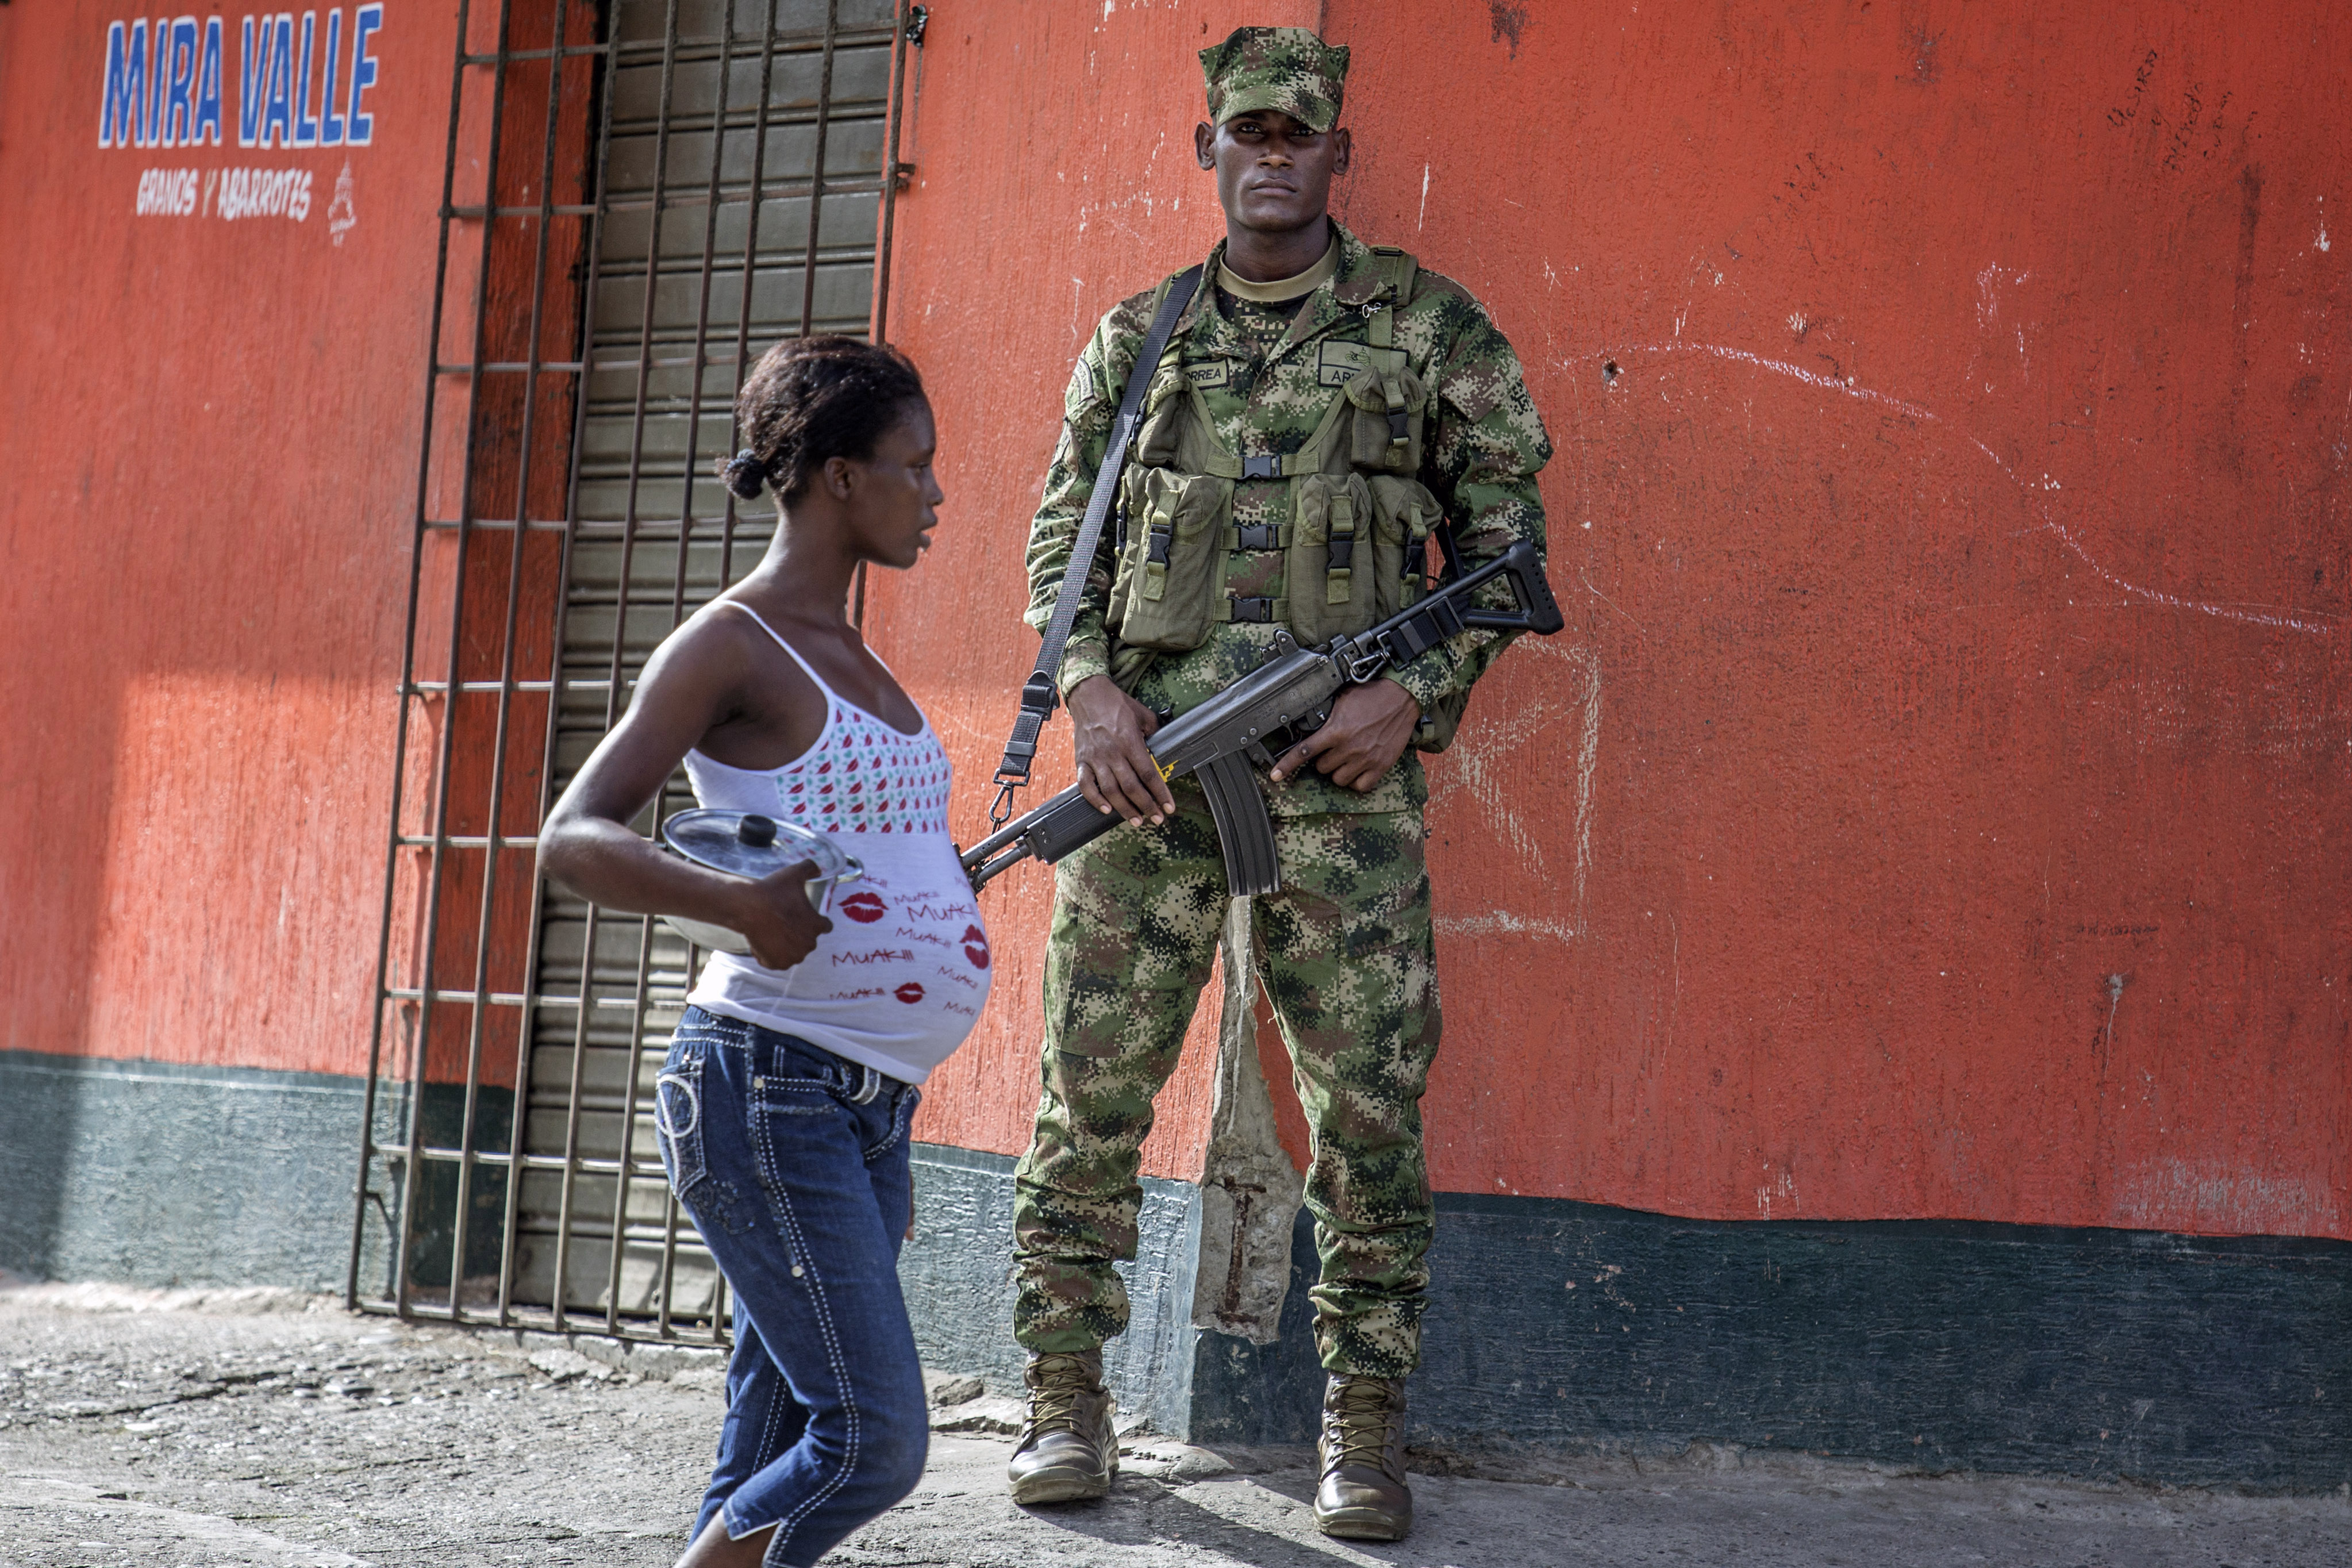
x=1344, y=953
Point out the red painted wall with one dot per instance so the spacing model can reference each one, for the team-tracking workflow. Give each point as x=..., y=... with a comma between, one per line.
x=1936, y=804
x=210, y=432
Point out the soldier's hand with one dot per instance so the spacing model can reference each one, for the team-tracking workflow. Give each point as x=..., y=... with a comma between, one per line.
x=1116, y=769
x=775, y=916
x=1370, y=727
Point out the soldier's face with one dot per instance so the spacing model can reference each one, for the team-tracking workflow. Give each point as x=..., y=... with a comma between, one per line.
x=1273, y=174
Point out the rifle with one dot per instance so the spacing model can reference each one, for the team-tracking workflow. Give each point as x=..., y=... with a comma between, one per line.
x=1265, y=712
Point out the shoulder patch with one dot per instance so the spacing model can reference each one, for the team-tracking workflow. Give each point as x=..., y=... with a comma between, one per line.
x=1084, y=387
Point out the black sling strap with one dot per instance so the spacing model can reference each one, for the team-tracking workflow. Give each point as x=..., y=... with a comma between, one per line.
x=1038, y=693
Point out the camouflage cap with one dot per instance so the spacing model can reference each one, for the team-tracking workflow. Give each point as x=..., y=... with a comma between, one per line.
x=1284, y=68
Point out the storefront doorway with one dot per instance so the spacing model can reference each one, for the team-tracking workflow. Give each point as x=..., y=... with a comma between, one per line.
x=641, y=198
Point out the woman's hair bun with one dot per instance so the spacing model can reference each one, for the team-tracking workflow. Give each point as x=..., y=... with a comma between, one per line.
x=746, y=474
x=810, y=400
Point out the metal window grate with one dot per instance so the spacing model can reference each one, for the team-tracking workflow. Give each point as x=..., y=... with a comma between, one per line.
x=637, y=200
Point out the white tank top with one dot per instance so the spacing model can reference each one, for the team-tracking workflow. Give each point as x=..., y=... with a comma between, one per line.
x=899, y=981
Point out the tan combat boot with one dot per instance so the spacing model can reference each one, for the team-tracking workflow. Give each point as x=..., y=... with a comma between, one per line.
x=1362, y=1495
x=1067, y=1451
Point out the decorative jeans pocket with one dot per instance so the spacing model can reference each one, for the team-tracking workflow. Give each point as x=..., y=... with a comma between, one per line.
x=903, y=1098
x=678, y=1117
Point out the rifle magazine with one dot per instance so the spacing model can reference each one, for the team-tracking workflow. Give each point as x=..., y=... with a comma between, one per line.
x=1244, y=830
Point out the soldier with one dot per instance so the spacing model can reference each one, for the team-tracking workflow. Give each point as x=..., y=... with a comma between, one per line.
x=1327, y=413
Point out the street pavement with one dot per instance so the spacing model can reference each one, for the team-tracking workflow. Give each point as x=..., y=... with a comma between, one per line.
x=258, y=1428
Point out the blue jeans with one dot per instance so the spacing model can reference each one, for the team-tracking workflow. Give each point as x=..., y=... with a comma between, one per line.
x=793, y=1163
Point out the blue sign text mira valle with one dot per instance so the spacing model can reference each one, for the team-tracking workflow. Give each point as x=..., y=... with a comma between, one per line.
x=298, y=83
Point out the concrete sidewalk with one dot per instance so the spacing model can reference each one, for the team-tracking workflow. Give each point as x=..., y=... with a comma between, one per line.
x=235, y=1428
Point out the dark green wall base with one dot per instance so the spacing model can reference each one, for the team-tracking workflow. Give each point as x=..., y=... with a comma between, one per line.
x=2198, y=1361
x=154, y=1174
x=2096, y=1352
x=442, y=1109
x=956, y=1275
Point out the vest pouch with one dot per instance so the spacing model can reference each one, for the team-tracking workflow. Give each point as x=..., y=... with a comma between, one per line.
x=1404, y=524
x=1164, y=595
x=1389, y=408
x=1163, y=418
x=1436, y=730
x=1332, y=570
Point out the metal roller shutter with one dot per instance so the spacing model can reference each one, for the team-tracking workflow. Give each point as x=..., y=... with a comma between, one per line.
x=712, y=237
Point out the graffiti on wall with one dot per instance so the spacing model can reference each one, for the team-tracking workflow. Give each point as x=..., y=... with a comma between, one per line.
x=298, y=83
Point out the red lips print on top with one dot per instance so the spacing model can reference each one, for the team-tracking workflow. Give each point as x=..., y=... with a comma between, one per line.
x=901, y=977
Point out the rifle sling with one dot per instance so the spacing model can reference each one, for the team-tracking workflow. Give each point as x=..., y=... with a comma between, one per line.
x=1039, y=694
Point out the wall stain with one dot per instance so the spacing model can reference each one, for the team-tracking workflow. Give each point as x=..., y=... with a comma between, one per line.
x=2124, y=113
x=1508, y=20
x=2249, y=218
x=1925, y=71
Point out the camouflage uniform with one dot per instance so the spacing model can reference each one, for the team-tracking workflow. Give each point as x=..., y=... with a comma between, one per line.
x=1344, y=950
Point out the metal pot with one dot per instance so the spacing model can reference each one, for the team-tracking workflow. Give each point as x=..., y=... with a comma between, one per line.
x=746, y=844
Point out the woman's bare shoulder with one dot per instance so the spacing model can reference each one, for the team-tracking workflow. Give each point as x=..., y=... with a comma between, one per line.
x=757, y=693
x=712, y=643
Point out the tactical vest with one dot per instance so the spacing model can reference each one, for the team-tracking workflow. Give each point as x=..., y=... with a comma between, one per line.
x=1356, y=538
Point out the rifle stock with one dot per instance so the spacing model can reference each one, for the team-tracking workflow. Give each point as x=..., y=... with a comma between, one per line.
x=1270, y=708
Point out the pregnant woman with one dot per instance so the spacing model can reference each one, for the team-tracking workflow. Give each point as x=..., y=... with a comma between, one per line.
x=783, y=1106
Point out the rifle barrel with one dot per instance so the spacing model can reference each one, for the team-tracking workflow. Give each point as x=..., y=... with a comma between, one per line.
x=1262, y=702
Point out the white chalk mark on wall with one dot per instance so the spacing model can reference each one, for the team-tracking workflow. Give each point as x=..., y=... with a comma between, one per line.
x=342, y=217
x=2252, y=615
x=1593, y=589
x=1988, y=283
x=1505, y=922
x=1811, y=377
x=1483, y=771
x=2215, y=1196
x=1587, y=754
x=1781, y=1190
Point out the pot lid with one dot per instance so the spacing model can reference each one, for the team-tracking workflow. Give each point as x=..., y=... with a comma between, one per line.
x=746, y=844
